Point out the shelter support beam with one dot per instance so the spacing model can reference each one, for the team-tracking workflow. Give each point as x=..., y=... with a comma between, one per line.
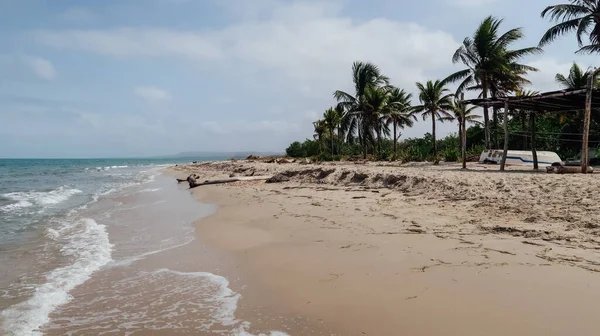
x=532, y=130
x=505, y=152
x=586, y=125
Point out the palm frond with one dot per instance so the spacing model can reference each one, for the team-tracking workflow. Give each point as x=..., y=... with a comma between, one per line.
x=558, y=30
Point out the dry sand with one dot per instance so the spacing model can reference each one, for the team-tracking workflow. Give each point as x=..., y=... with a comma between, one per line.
x=411, y=250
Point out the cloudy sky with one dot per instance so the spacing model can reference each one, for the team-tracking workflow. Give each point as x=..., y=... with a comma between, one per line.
x=150, y=77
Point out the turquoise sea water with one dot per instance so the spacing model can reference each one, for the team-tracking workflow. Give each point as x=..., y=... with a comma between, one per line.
x=54, y=228
x=32, y=190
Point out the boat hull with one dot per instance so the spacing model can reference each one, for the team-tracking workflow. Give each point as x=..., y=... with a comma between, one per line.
x=519, y=158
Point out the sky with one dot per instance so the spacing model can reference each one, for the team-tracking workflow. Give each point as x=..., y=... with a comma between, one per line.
x=123, y=78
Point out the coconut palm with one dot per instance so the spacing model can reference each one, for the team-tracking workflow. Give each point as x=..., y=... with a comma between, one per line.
x=398, y=113
x=331, y=121
x=319, y=130
x=364, y=76
x=580, y=16
x=489, y=61
x=576, y=79
x=374, y=106
x=463, y=115
x=522, y=114
x=436, y=103
x=343, y=116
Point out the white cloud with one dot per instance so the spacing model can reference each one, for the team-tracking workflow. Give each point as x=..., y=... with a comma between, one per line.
x=241, y=126
x=543, y=80
x=305, y=41
x=40, y=67
x=305, y=47
x=152, y=93
x=128, y=42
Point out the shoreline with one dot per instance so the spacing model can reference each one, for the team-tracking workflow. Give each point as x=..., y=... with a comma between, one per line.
x=357, y=258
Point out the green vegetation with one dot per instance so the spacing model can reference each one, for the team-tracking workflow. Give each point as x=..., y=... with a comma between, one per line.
x=367, y=122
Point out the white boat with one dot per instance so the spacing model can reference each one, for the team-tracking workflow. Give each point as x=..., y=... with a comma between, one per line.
x=519, y=158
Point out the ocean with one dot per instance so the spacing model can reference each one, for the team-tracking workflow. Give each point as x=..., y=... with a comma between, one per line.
x=104, y=246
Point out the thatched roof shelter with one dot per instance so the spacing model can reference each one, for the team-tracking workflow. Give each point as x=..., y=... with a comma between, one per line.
x=554, y=101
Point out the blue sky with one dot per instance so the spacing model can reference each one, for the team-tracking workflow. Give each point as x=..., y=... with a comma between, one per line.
x=150, y=77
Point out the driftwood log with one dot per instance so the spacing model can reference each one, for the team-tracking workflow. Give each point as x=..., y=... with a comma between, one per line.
x=559, y=168
x=194, y=184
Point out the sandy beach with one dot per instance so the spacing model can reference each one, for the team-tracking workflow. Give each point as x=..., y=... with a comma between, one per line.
x=379, y=249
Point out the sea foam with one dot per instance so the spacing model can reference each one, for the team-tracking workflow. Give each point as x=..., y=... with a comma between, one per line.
x=86, y=242
x=25, y=199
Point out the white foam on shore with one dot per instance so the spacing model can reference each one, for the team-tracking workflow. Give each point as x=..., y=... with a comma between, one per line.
x=110, y=167
x=27, y=199
x=223, y=303
x=131, y=260
x=148, y=190
x=87, y=243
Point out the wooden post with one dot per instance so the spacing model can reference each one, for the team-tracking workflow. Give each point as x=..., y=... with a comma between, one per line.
x=586, y=124
x=463, y=136
x=532, y=126
x=505, y=152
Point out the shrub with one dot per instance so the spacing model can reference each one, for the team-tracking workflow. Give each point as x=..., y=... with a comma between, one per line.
x=295, y=150
x=450, y=154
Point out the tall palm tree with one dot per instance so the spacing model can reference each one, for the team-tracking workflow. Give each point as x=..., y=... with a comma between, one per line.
x=463, y=115
x=522, y=114
x=576, y=79
x=319, y=130
x=580, y=16
x=331, y=121
x=364, y=76
x=489, y=60
x=343, y=116
x=375, y=103
x=436, y=103
x=398, y=113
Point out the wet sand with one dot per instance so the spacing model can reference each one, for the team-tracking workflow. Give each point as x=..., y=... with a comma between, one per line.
x=163, y=279
x=370, y=250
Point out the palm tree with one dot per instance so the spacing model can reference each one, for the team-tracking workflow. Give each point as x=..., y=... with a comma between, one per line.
x=398, y=113
x=375, y=101
x=576, y=79
x=463, y=115
x=331, y=121
x=319, y=130
x=343, y=116
x=489, y=62
x=581, y=16
x=522, y=114
x=364, y=76
x=435, y=103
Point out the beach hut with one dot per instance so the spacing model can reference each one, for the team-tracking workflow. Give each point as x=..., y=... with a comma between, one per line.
x=569, y=100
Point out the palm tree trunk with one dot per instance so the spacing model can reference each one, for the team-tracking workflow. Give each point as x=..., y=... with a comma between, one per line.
x=463, y=143
x=494, y=130
x=361, y=138
x=495, y=126
x=395, y=141
x=433, y=114
x=460, y=129
x=524, y=129
x=379, y=140
x=331, y=140
x=486, y=117
x=340, y=139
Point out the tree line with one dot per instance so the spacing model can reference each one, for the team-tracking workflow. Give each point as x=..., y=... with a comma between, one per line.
x=369, y=120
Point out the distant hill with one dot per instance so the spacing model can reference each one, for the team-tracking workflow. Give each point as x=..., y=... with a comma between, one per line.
x=201, y=155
